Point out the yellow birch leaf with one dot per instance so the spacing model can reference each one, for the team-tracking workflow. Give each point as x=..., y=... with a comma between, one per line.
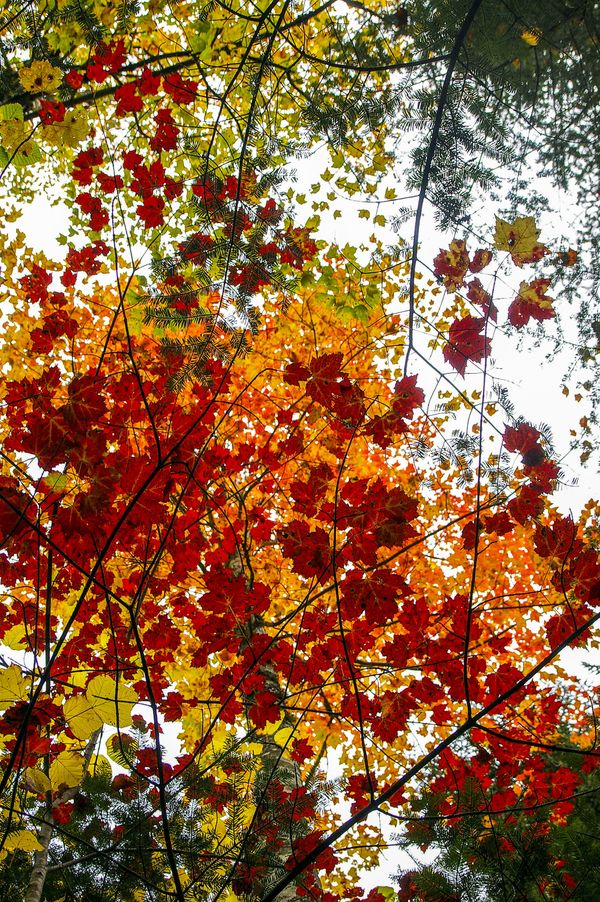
x=66, y=770
x=218, y=740
x=121, y=748
x=104, y=697
x=247, y=814
x=14, y=687
x=100, y=765
x=284, y=735
x=271, y=728
x=81, y=716
x=24, y=840
x=36, y=780
x=252, y=748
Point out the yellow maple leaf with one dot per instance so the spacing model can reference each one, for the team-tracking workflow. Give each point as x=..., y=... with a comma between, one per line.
x=15, y=637
x=14, y=687
x=520, y=239
x=70, y=132
x=40, y=76
x=534, y=293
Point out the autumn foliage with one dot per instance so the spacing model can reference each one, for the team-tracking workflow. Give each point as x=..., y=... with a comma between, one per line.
x=241, y=505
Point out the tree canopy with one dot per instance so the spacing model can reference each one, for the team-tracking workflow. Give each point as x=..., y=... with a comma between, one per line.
x=284, y=569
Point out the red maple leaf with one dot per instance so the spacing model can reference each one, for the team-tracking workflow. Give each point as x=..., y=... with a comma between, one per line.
x=376, y=595
x=51, y=112
x=36, y=285
x=528, y=503
x=407, y=397
x=328, y=385
x=325, y=377
x=308, y=493
x=478, y=295
x=557, y=539
x=524, y=438
x=451, y=265
x=182, y=91
x=301, y=750
x=265, y=709
x=165, y=137
x=13, y=507
x=309, y=551
x=531, y=303
x=305, y=845
x=151, y=211
x=148, y=83
x=465, y=342
x=129, y=101
x=501, y=680
x=559, y=628
x=61, y=814
x=480, y=260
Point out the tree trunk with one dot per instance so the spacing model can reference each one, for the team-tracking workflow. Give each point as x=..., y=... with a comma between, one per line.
x=40, y=859
x=40, y=863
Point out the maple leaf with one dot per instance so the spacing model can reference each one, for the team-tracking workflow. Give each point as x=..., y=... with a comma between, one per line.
x=129, y=101
x=502, y=679
x=182, y=90
x=523, y=438
x=151, y=211
x=481, y=258
x=466, y=342
x=165, y=137
x=407, y=397
x=478, y=295
x=528, y=503
x=309, y=549
x=264, y=709
x=451, y=265
x=51, y=112
x=301, y=750
x=14, y=506
x=567, y=258
x=327, y=384
x=557, y=539
x=520, y=239
x=376, y=596
x=559, y=628
x=531, y=303
x=325, y=377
